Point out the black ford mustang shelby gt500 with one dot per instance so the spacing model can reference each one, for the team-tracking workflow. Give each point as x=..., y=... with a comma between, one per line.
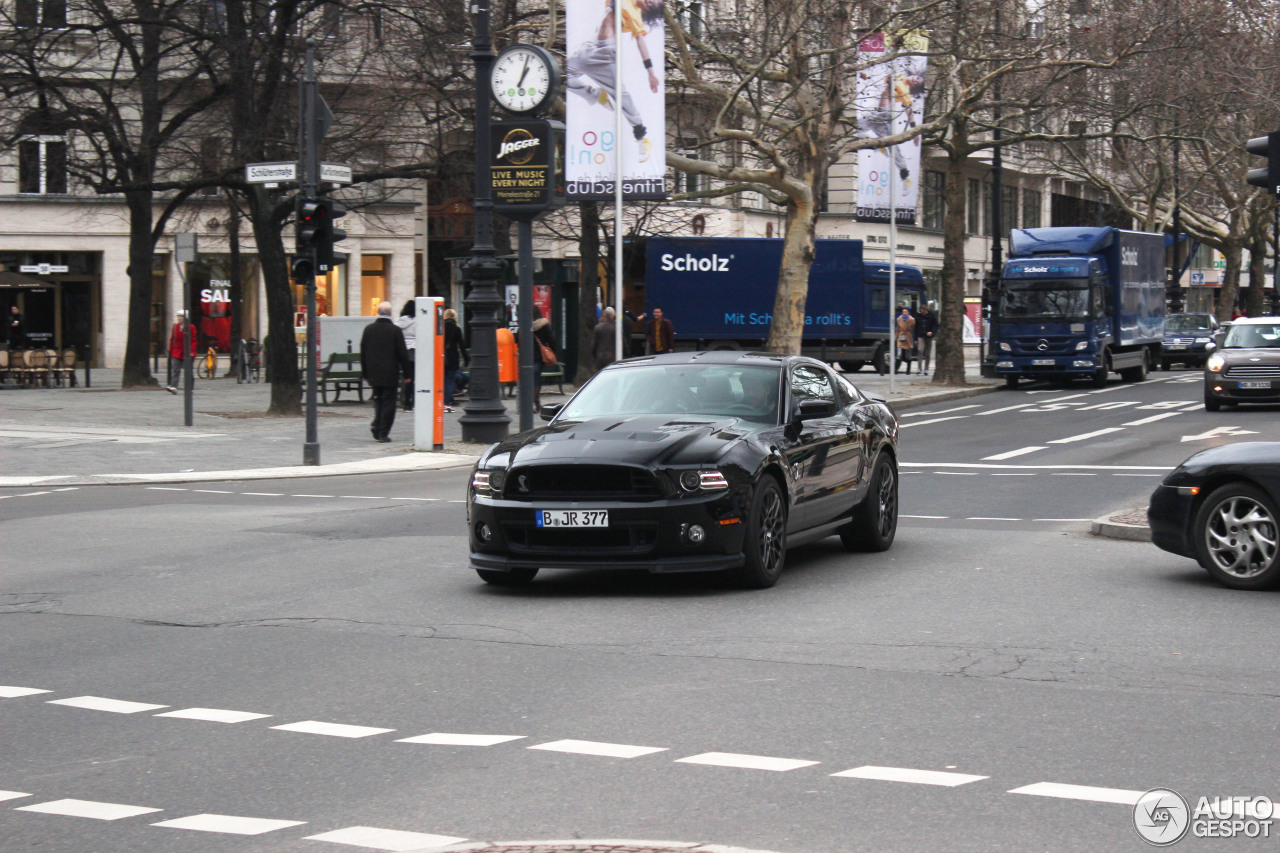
x=689, y=462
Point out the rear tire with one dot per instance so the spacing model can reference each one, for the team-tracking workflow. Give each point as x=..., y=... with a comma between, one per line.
x=851, y=366
x=875, y=520
x=1136, y=374
x=515, y=577
x=1011, y=382
x=765, y=548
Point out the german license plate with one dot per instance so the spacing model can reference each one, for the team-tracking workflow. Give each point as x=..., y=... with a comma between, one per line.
x=572, y=517
x=1255, y=384
x=1176, y=346
x=1042, y=362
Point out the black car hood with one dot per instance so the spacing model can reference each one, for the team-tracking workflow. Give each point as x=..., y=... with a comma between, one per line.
x=1246, y=453
x=626, y=440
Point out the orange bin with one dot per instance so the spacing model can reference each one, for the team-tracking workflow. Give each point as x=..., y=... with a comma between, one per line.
x=507, y=366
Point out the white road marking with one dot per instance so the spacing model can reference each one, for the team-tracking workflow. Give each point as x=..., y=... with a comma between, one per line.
x=1086, y=435
x=590, y=747
x=924, y=516
x=428, y=500
x=746, y=762
x=228, y=823
x=958, y=473
x=214, y=715
x=1081, y=792
x=1016, y=474
x=15, y=692
x=990, y=518
x=315, y=727
x=29, y=494
x=1062, y=519
x=87, y=808
x=214, y=491
x=165, y=489
x=1153, y=419
x=1114, y=404
x=363, y=497
x=907, y=774
x=1006, y=409
x=1072, y=474
x=1223, y=431
x=914, y=413
x=310, y=496
x=1009, y=454
x=264, y=494
x=1035, y=467
x=12, y=795
x=373, y=838
x=933, y=421
x=448, y=739
x=1135, y=475
x=114, y=706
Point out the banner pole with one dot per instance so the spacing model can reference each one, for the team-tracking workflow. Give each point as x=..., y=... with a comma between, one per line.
x=620, y=320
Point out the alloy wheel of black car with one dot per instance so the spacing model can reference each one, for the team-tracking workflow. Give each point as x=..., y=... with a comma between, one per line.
x=1238, y=538
x=515, y=577
x=765, y=549
x=875, y=520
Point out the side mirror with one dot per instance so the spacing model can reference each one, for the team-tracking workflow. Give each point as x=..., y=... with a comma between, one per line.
x=814, y=409
x=550, y=410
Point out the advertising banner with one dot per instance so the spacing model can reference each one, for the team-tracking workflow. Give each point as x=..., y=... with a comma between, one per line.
x=591, y=149
x=524, y=170
x=889, y=99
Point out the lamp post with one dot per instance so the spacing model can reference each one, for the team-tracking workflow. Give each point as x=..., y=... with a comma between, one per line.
x=485, y=419
x=1175, y=288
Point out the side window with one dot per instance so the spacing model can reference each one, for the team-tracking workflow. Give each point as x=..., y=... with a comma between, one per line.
x=811, y=383
x=847, y=393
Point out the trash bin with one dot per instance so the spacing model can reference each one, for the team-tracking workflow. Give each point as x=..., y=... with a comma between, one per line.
x=507, y=364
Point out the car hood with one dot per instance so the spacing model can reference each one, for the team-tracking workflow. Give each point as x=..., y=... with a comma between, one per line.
x=1239, y=355
x=1245, y=453
x=626, y=440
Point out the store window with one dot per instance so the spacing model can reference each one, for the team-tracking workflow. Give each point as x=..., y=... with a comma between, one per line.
x=373, y=282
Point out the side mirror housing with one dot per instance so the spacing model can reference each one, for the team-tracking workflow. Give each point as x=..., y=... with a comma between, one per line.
x=550, y=410
x=813, y=409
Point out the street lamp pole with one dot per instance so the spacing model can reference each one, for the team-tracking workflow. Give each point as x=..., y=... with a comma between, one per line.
x=485, y=420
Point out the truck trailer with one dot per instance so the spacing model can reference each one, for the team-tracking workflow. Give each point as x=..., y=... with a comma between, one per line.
x=1079, y=303
x=719, y=294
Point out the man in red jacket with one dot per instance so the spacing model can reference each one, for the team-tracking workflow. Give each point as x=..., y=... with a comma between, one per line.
x=177, y=358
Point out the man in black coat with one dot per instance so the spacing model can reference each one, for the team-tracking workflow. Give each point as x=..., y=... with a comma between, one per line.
x=384, y=358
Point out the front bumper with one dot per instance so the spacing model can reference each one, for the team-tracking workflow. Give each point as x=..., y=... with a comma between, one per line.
x=650, y=535
x=1193, y=353
x=1080, y=364
x=1170, y=514
x=1218, y=387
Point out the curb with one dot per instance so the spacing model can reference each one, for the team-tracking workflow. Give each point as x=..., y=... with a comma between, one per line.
x=592, y=846
x=941, y=396
x=1111, y=527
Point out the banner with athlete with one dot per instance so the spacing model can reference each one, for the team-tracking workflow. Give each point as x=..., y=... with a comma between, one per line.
x=590, y=146
x=888, y=99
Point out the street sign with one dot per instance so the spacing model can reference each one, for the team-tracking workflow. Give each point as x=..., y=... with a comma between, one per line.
x=270, y=173
x=42, y=269
x=186, y=247
x=335, y=173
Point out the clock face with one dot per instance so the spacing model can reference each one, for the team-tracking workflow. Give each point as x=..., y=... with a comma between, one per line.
x=523, y=78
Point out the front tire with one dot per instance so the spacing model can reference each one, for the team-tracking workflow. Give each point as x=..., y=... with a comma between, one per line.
x=851, y=366
x=1011, y=382
x=765, y=548
x=515, y=577
x=1104, y=367
x=875, y=520
x=1236, y=537
x=1210, y=404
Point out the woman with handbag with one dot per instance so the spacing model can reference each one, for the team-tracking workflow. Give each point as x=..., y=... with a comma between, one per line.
x=544, y=355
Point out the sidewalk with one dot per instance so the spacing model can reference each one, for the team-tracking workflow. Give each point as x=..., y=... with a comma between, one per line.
x=101, y=435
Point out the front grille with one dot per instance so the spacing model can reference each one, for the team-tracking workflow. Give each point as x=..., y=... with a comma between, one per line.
x=1031, y=346
x=528, y=538
x=580, y=482
x=1186, y=342
x=1253, y=371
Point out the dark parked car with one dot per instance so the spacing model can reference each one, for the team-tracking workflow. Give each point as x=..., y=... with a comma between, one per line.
x=689, y=462
x=1220, y=508
x=1188, y=339
x=1247, y=367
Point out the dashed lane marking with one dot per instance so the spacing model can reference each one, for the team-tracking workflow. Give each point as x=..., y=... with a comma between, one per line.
x=907, y=774
x=114, y=706
x=990, y=518
x=384, y=839
x=590, y=747
x=1010, y=454
x=229, y=824
x=931, y=517
x=449, y=739
x=214, y=715
x=933, y=421
x=915, y=413
x=87, y=808
x=1119, y=796
x=310, y=496
x=1072, y=474
x=1086, y=435
x=746, y=762
x=12, y=795
x=315, y=727
x=1153, y=419
x=986, y=467
x=15, y=692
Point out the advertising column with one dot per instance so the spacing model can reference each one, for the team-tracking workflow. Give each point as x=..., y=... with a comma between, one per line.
x=428, y=374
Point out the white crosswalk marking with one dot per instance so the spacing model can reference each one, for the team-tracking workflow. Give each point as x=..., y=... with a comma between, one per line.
x=906, y=774
x=16, y=692
x=114, y=706
x=1119, y=796
x=229, y=824
x=590, y=747
x=214, y=715
x=315, y=727
x=447, y=739
x=746, y=762
x=384, y=839
x=87, y=808
x=12, y=795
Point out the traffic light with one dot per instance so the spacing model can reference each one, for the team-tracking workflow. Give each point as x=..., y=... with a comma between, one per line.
x=304, y=270
x=329, y=210
x=309, y=214
x=1267, y=177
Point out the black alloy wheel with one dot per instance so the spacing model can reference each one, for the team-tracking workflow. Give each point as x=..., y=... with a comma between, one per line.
x=765, y=548
x=875, y=520
x=1237, y=537
x=515, y=577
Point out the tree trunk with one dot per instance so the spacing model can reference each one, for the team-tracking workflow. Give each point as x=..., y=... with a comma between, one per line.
x=1253, y=300
x=236, y=288
x=282, y=349
x=950, y=342
x=793, y=278
x=137, y=365
x=1230, y=282
x=588, y=286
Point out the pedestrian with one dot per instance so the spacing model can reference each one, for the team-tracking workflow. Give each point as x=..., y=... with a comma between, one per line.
x=604, y=339
x=17, y=328
x=383, y=358
x=408, y=323
x=455, y=355
x=926, y=328
x=178, y=354
x=659, y=332
x=542, y=337
x=905, y=340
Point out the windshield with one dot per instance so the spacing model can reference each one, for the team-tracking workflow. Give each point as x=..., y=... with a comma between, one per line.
x=748, y=392
x=1253, y=336
x=1187, y=323
x=1051, y=299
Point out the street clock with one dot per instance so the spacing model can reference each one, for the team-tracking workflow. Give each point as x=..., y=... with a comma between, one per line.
x=524, y=79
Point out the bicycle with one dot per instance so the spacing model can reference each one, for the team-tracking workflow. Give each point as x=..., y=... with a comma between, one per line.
x=209, y=368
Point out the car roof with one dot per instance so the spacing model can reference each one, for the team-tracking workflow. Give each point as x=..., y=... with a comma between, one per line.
x=1255, y=321
x=763, y=359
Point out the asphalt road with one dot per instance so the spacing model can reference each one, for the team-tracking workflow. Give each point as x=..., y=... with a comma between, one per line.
x=998, y=680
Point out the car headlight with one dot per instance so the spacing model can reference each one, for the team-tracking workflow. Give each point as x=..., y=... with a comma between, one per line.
x=1083, y=345
x=1216, y=362
x=1204, y=340
x=693, y=481
x=1004, y=347
x=489, y=482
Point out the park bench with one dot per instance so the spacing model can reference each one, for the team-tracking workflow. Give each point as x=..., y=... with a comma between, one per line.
x=342, y=373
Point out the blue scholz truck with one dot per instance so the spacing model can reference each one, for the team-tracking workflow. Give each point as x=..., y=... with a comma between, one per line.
x=719, y=293
x=1078, y=303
